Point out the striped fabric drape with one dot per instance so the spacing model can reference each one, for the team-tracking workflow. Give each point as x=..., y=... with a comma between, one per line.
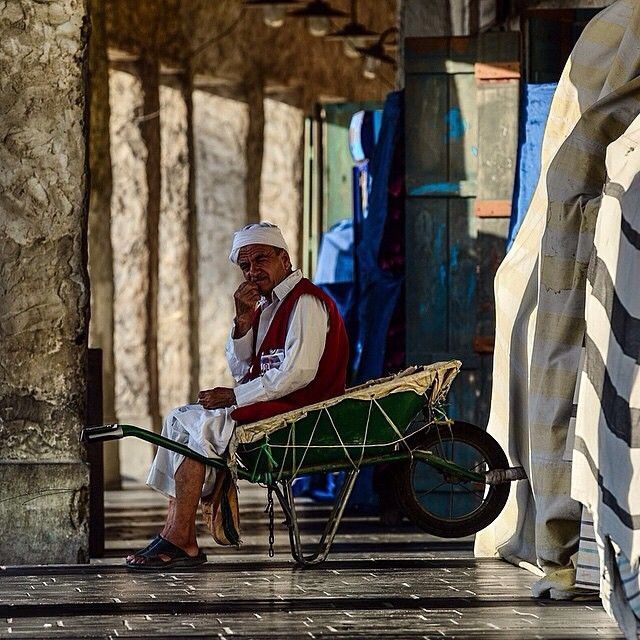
x=540, y=293
x=606, y=461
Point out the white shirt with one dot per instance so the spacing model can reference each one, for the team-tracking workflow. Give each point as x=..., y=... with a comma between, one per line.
x=303, y=348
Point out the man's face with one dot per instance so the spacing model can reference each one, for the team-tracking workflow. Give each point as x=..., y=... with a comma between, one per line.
x=263, y=265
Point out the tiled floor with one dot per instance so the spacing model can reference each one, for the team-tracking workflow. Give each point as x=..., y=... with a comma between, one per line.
x=396, y=583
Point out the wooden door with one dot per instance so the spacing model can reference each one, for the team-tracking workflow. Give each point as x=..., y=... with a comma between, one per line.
x=461, y=115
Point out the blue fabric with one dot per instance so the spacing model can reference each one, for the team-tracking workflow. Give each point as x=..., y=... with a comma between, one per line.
x=364, y=130
x=335, y=275
x=365, y=293
x=335, y=258
x=378, y=289
x=534, y=110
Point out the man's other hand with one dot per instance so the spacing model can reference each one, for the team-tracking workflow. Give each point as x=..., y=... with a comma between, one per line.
x=216, y=398
x=246, y=298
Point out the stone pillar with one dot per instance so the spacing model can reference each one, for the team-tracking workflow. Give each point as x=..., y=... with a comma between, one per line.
x=194, y=249
x=281, y=179
x=220, y=133
x=149, y=123
x=174, y=358
x=255, y=144
x=100, y=250
x=44, y=293
x=129, y=200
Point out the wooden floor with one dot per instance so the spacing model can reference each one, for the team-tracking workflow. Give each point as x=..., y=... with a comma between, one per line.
x=396, y=583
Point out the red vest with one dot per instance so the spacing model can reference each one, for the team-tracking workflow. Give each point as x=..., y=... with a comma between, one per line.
x=332, y=371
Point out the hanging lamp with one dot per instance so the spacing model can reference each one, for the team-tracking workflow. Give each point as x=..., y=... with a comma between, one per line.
x=354, y=34
x=375, y=55
x=318, y=14
x=273, y=11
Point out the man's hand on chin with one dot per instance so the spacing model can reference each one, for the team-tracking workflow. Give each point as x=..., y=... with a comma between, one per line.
x=216, y=398
x=246, y=298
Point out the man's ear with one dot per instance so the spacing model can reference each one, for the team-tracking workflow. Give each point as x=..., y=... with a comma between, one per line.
x=286, y=260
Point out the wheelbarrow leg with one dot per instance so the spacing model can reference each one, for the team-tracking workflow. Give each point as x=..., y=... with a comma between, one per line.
x=288, y=506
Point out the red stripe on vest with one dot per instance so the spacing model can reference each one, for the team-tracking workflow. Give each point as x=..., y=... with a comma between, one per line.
x=330, y=379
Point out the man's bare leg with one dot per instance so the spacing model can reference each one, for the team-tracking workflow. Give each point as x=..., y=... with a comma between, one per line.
x=180, y=525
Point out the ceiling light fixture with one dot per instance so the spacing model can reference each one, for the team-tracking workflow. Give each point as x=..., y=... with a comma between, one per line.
x=318, y=14
x=273, y=11
x=375, y=54
x=354, y=34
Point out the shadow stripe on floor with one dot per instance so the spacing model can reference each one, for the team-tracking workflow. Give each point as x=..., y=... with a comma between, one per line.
x=235, y=567
x=257, y=605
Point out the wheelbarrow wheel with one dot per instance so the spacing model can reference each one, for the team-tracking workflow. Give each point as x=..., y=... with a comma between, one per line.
x=440, y=502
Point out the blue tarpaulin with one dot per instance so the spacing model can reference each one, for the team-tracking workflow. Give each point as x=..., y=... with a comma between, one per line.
x=535, y=105
x=335, y=275
x=378, y=289
x=335, y=259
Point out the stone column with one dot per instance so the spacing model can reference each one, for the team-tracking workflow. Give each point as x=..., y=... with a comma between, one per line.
x=149, y=123
x=220, y=134
x=129, y=200
x=174, y=358
x=255, y=144
x=100, y=249
x=281, y=179
x=43, y=281
x=194, y=250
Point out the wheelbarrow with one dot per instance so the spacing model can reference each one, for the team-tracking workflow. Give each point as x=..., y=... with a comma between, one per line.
x=450, y=478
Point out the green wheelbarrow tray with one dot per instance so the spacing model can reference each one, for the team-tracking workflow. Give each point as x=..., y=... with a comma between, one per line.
x=392, y=420
x=364, y=426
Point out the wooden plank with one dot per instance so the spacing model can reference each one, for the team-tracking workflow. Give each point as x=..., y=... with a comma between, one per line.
x=484, y=344
x=492, y=208
x=489, y=71
x=462, y=399
x=450, y=189
x=426, y=99
x=461, y=119
x=462, y=306
x=462, y=276
x=440, y=55
x=498, y=46
x=497, y=139
x=427, y=278
x=491, y=242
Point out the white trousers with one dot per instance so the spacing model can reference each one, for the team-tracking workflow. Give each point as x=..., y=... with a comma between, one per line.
x=206, y=431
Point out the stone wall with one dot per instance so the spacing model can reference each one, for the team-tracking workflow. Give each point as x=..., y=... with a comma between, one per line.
x=220, y=129
x=43, y=281
x=281, y=183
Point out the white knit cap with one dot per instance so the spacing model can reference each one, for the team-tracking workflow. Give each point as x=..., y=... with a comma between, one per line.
x=258, y=233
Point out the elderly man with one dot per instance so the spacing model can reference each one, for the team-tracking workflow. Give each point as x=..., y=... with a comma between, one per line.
x=287, y=348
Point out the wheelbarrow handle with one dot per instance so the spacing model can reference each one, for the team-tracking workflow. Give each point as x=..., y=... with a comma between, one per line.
x=115, y=431
x=102, y=433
